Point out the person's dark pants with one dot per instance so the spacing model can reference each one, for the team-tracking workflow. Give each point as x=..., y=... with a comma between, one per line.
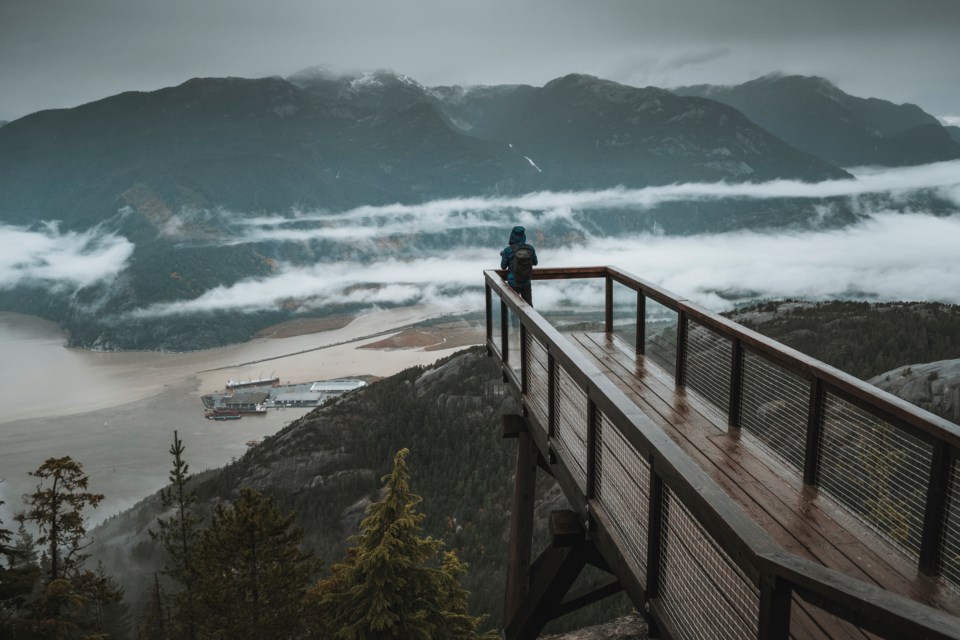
x=525, y=292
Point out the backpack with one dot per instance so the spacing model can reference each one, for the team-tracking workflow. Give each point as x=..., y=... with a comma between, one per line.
x=522, y=266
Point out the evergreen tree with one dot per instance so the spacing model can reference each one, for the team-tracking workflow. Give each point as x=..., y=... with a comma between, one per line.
x=19, y=573
x=252, y=573
x=56, y=509
x=152, y=624
x=391, y=585
x=72, y=600
x=179, y=535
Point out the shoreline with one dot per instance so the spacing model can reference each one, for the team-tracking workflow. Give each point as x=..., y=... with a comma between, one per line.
x=115, y=412
x=55, y=381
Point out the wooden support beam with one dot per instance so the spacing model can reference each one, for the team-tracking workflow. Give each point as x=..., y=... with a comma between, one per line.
x=566, y=530
x=544, y=464
x=551, y=576
x=513, y=425
x=521, y=523
x=594, y=592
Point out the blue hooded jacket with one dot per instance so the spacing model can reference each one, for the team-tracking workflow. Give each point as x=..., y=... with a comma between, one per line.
x=518, y=236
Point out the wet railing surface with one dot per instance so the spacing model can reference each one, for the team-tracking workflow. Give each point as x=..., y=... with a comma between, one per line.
x=676, y=541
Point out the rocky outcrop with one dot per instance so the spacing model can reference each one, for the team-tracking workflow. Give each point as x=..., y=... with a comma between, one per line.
x=631, y=627
x=934, y=386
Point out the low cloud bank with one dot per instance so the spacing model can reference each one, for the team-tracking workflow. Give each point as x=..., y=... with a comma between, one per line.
x=542, y=208
x=888, y=256
x=60, y=260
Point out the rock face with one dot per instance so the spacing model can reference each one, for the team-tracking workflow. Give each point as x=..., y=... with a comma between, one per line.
x=934, y=386
x=631, y=627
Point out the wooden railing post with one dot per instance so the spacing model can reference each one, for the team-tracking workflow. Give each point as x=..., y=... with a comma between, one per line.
x=504, y=328
x=591, y=454
x=654, y=533
x=776, y=600
x=931, y=547
x=641, y=322
x=551, y=395
x=736, y=384
x=488, y=308
x=523, y=360
x=811, y=458
x=681, y=348
x=608, y=305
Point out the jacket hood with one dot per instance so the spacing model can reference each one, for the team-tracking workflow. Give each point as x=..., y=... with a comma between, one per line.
x=518, y=235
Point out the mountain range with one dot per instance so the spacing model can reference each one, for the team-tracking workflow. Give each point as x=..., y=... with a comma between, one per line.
x=313, y=141
x=814, y=115
x=170, y=170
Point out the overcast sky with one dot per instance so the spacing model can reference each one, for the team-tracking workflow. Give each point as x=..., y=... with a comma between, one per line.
x=60, y=53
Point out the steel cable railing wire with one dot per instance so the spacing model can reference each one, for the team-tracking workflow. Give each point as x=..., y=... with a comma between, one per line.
x=707, y=365
x=773, y=409
x=623, y=490
x=700, y=586
x=660, y=335
x=571, y=425
x=537, y=379
x=876, y=470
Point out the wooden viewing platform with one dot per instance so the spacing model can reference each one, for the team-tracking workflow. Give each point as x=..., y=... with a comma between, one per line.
x=733, y=487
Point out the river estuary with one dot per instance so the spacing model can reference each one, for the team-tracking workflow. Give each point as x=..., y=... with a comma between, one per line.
x=116, y=412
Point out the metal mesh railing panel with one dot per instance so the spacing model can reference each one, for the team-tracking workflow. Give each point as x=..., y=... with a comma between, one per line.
x=702, y=591
x=951, y=530
x=570, y=430
x=538, y=389
x=877, y=471
x=623, y=490
x=660, y=335
x=773, y=409
x=707, y=365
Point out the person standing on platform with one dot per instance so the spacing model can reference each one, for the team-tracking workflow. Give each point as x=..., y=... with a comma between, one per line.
x=519, y=258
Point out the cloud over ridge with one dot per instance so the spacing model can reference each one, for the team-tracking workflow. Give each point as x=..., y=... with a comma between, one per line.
x=56, y=259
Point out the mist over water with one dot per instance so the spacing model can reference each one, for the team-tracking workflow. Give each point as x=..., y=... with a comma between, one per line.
x=887, y=248
x=884, y=255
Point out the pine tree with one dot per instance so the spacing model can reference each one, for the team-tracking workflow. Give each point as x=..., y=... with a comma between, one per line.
x=390, y=585
x=19, y=573
x=179, y=535
x=71, y=601
x=152, y=624
x=252, y=572
x=56, y=509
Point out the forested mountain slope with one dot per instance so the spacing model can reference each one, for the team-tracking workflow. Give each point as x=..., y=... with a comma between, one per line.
x=864, y=339
x=327, y=467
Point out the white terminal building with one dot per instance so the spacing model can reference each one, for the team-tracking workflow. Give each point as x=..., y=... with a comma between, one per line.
x=316, y=394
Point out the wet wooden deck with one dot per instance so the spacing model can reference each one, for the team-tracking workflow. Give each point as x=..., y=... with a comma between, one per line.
x=799, y=519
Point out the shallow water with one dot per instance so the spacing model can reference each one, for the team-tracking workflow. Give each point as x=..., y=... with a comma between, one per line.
x=116, y=412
